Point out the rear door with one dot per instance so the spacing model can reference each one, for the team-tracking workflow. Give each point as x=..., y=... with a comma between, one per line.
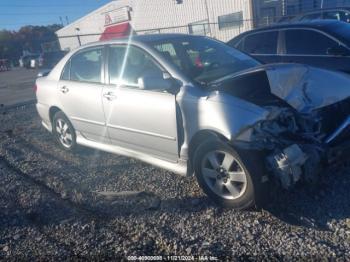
x=308, y=46
x=80, y=90
x=263, y=46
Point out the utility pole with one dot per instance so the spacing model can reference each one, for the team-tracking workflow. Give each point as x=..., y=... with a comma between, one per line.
x=78, y=36
x=61, y=20
x=208, y=18
x=321, y=4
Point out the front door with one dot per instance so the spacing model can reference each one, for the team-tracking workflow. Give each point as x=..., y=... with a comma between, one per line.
x=80, y=90
x=140, y=120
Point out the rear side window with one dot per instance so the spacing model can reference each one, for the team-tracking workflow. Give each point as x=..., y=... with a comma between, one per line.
x=66, y=72
x=307, y=42
x=86, y=66
x=337, y=15
x=261, y=43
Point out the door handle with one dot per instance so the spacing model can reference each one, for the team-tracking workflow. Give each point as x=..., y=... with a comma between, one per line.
x=110, y=96
x=64, y=89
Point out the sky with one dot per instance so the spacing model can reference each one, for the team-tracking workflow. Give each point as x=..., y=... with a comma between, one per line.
x=16, y=13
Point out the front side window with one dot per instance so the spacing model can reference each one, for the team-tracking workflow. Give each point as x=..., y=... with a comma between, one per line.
x=86, y=66
x=231, y=20
x=308, y=42
x=128, y=63
x=261, y=43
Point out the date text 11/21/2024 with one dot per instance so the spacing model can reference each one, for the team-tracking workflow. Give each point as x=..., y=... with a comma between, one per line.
x=172, y=258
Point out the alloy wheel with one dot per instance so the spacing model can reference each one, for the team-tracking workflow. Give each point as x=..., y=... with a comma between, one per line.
x=224, y=174
x=64, y=133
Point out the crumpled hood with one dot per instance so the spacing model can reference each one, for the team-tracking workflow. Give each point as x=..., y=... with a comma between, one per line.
x=304, y=87
x=307, y=88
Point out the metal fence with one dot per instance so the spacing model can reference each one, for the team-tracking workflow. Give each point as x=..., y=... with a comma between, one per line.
x=214, y=30
x=223, y=31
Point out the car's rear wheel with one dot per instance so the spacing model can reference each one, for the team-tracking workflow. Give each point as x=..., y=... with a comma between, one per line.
x=229, y=179
x=63, y=131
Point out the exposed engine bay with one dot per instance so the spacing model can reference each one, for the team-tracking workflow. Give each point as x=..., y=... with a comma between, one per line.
x=308, y=124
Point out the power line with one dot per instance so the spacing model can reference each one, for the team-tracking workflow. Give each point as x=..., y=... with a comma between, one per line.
x=31, y=23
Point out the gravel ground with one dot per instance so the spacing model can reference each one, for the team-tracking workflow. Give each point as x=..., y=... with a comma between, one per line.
x=94, y=205
x=16, y=86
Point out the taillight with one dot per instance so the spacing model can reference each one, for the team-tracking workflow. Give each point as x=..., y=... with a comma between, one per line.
x=35, y=88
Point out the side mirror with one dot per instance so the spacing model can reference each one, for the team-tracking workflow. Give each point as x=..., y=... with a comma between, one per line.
x=156, y=81
x=338, y=51
x=43, y=73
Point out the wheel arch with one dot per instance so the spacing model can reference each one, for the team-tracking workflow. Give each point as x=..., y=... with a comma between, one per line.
x=52, y=111
x=200, y=137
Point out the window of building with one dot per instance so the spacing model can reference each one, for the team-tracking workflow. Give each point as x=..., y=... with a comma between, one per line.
x=291, y=10
x=231, y=20
x=268, y=15
x=127, y=64
x=261, y=43
x=86, y=66
x=199, y=28
x=308, y=42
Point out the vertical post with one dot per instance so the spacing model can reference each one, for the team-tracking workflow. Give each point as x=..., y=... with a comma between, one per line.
x=321, y=4
x=78, y=36
x=207, y=10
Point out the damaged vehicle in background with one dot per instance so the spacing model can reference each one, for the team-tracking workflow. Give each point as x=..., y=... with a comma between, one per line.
x=191, y=104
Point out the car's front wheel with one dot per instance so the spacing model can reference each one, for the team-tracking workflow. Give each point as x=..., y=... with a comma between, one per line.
x=63, y=131
x=227, y=178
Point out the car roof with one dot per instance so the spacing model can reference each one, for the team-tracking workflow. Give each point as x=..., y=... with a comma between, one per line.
x=323, y=25
x=325, y=10
x=316, y=24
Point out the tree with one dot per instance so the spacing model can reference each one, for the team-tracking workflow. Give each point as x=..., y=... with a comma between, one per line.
x=28, y=38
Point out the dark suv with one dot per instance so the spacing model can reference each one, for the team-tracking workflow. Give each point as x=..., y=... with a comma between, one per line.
x=339, y=13
x=321, y=43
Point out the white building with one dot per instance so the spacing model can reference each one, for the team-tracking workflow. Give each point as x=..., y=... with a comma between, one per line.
x=222, y=19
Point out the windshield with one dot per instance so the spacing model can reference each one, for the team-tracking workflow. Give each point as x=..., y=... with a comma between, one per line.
x=202, y=59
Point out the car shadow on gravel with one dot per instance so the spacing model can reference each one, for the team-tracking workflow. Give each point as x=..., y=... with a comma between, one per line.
x=315, y=206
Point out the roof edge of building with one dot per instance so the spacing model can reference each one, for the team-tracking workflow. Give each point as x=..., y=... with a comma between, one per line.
x=83, y=17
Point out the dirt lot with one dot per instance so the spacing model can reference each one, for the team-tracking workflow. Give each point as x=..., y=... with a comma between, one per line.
x=51, y=208
x=16, y=86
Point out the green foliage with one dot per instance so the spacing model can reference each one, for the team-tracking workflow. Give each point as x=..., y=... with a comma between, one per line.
x=28, y=38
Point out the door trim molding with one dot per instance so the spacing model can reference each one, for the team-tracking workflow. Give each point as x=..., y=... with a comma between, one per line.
x=141, y=132
x=87, y=121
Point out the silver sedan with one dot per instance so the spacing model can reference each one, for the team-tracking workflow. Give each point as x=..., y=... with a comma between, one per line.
x=193, y=105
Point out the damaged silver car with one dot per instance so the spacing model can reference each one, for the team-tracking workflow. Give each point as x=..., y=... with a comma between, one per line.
x=193, y=105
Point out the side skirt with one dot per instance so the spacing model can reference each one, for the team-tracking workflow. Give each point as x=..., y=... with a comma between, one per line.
x=179, y=167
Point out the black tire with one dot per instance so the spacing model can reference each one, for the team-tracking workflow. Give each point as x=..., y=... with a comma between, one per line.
x=255, y=189
x=61, y=117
